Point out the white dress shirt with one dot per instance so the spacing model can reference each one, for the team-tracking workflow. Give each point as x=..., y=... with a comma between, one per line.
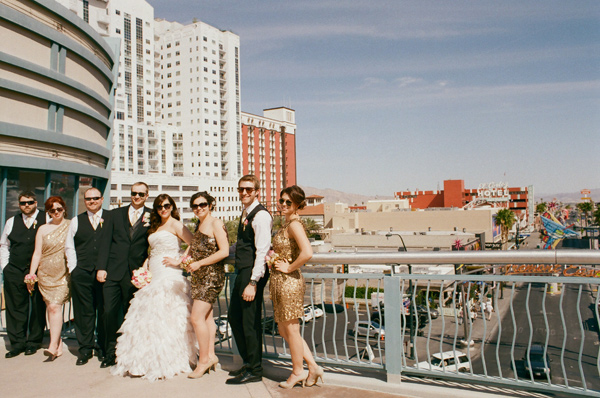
x=134, y=217
x=5, y=243
x=70, y=252
x=262, y=224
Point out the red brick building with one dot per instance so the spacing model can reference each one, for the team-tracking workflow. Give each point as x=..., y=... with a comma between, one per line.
x=269, y=151
x=454, y=194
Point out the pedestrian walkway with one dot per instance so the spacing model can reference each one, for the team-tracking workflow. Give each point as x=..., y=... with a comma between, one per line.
x=31, y=377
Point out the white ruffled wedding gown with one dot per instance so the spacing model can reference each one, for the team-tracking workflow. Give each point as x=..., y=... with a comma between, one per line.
x=157, y=339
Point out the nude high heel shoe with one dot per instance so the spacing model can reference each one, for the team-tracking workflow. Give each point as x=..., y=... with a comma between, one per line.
x=294, y=380
x=314, y=377
x=200, y=370
x=214, y=363
x=54, y=354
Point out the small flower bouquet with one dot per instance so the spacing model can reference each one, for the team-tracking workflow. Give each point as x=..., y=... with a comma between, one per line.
x=186, y=261
x=271, y=258
x=31, y=279
x=141, y=278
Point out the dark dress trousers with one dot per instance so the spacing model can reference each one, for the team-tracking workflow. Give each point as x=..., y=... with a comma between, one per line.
x=22, y=333
x=86, y=291
x=245, y=316
x=127, y=252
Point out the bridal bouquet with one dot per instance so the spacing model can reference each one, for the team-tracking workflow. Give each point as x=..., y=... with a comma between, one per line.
x=185, y=262
x=141, y=277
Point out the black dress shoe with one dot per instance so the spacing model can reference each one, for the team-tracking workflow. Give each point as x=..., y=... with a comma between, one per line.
x=14, y=353
x=83, y=359
x=31, y=350
x=238, y=372
x=109, y=361
x=244, y=378
x=100, y=354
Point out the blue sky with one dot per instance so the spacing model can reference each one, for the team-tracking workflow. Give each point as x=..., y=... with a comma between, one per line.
x=396, y=95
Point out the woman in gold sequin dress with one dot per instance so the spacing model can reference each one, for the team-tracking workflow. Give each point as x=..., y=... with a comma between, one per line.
x=53, y=276
x=287, y=286
x=210, y=246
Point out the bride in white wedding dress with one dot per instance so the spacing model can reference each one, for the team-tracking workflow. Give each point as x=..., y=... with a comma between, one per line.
x=157, y=339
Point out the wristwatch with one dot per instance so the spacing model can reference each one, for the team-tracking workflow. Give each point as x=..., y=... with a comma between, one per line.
x=252, y=282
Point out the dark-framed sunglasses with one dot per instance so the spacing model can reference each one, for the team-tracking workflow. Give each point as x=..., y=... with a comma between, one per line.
x=249, y=190
x=201, y=204
x=57, y=210
x=288, y=202
x=140, y=194
x=92, y=198
x=27, y=202
x=166, y=206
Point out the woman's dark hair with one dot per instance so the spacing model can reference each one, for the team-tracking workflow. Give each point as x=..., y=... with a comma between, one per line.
x=155, y=219
x=296, y=195
x=211, y=201
x=49, y=204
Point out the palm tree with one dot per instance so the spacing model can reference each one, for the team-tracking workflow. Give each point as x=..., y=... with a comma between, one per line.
x=540, y=208
x=312, y=228
x=585, y=208
x=596, y=216
x=506, y=219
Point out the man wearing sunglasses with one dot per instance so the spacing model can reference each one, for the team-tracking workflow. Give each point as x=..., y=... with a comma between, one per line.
x=127, y=252
x=88, y=237
x=16, y=248
x=245, y=308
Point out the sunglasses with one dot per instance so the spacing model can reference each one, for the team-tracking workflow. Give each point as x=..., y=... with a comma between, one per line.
x=92, y=198
x=140, y=194
x=201, y=204
x=242, y=189
x=288, y=203
x=27, y=203
x=57, y=210
x=166, y=206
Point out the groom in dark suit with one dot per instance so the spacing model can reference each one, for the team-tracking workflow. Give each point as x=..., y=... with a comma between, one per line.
x=128, y=251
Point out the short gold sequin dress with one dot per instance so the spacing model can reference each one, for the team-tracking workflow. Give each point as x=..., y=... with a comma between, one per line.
x=52, y=273
x=287, y=290
x=208, y=280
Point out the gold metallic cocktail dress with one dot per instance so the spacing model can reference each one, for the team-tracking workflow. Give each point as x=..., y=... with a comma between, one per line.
x=287, y=290
x=207, y=281
x=53, y=274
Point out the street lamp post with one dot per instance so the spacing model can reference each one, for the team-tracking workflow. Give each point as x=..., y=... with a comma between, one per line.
x=410, y=288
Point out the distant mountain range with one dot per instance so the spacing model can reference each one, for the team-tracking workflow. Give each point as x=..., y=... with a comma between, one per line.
x=332, y=196
x=568, y=197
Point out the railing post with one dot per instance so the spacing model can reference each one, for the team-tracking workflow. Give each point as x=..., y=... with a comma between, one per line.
x=394, y=340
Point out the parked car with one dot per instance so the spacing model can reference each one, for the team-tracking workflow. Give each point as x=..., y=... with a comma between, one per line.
x=223, y=327
x=331, y=308
x=447, y=361
x=308, y=315
x=270, y=326
x=539, y=367
x=316, y=311
x=422, y=310
x=371, y=329
x=379, y=317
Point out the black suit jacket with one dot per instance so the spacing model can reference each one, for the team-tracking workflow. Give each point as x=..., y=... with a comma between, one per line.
x=128, y=247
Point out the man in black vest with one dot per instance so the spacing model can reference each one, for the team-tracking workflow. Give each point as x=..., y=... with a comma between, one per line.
x=16, y=248
x=245, y=308
x=127, y=251
x=88, y=236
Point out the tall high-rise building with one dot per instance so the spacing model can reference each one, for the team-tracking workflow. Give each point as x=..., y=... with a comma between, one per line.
x=269, y=151
x=177, y=123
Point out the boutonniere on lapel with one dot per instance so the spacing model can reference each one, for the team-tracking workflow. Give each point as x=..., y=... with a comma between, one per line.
x=146, y=219
x=244, y=223
x=101, y=222
x=34, y=224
